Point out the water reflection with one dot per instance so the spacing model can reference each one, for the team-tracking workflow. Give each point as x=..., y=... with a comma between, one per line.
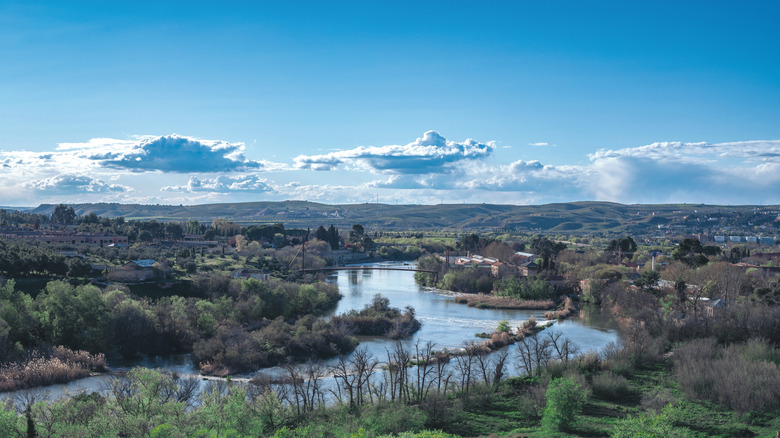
x=444, y=322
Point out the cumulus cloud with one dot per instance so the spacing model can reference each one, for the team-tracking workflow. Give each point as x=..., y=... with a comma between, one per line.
x=174, y=153
x=71, y=183
x=539, y=144
x=430, y=153
x=224, y=184
x=734, y=172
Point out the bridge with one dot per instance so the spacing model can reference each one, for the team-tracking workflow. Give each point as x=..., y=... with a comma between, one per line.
x=367, y=268
x=302, y=252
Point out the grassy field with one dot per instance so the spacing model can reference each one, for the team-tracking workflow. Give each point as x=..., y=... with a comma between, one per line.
x=502, y=416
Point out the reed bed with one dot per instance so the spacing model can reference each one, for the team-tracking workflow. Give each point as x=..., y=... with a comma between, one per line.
x=59, y=365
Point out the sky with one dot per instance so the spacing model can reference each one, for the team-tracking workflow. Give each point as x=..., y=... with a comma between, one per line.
x=425, y=102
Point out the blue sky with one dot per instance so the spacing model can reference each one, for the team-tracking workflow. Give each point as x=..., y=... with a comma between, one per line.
x=405, y=102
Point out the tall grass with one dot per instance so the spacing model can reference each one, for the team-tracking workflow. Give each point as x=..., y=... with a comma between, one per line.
x=60, y=365
x=566, y=310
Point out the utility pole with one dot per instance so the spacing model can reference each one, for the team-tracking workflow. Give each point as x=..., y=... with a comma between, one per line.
x=303, y=255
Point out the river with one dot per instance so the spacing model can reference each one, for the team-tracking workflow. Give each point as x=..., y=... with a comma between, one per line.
x=444, y=322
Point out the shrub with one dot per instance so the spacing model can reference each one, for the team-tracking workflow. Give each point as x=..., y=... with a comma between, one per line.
x=565, y=399
x=738, y=377
x=609, y=385
x=392, y=418
x=649, y=426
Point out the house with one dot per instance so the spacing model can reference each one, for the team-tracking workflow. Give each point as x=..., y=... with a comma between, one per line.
x=528, y=267
x=246, y=274
x=557, y=281
x=495, y=268
x=136, y=271
x=710, y=306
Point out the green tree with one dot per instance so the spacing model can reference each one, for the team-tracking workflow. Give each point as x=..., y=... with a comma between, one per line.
x=333, y=237
x=692, y=252
x=74, y=317
x=648, y=280
x=173, y=231
x=145, y=236
x=322, y=234
x=565, y=399
x=63, y=215
x=624, y=246
x=547, y=250
x=357, y=233
x=193, y=227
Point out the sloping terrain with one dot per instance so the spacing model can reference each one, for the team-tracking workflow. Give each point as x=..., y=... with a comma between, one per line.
x=573, y=217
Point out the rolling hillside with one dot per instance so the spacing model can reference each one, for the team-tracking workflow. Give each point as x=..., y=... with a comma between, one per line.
x=573, y=217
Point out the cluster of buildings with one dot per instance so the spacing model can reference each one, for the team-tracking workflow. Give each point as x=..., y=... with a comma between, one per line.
x=756, y=240
x=65, y=237
x=524, y=262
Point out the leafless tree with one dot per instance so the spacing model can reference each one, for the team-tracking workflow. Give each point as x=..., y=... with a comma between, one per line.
x=443, y=375
x=354, y=377
x=398, y=372
x=425, y=369
x=533, y=354
x=498, y=371
x=562, y=348
x=465, y=365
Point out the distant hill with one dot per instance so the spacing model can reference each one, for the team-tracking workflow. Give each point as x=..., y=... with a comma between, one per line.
x=16, y=208
x=566, y=218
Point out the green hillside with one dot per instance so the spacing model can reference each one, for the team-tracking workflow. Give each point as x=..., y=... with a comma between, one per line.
x=573, y=217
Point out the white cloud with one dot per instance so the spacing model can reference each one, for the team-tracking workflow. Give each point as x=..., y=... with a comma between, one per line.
x=72, y=183
x=170, y=153
x=734, y=172
x=175, y=153
x=539, y=144
x=430, y=169
x=224, y=184
x=431, y=153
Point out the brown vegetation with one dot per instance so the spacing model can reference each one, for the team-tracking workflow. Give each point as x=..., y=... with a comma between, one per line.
x=566, y=310
x=487, y=301
x=742, y=377
x=60, y=365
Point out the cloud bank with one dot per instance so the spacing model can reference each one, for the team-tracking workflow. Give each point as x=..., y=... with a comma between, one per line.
x=223, y=184
x=67, y=184
x=431, y=169
x=430, y=153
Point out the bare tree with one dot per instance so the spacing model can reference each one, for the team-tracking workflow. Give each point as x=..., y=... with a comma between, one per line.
x=533, y=354
x=398, y=372
x=465, y=365
x=424, y=369
x=354, y=376
x=498, y=371
x=563, y=349
x=443, y=375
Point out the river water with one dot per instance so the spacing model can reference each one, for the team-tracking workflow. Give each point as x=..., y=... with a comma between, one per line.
x=444, y=322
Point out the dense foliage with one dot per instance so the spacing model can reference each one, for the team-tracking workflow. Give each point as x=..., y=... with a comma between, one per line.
x=379, y=319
